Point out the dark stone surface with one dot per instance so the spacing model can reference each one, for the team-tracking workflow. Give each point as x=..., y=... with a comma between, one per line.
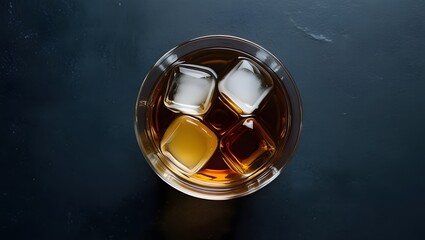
x=71, y=167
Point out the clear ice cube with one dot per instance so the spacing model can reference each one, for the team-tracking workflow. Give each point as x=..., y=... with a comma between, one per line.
x=190, y=89
x=245, y=87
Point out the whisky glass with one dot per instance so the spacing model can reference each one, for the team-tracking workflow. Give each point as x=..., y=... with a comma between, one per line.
x=218, y=117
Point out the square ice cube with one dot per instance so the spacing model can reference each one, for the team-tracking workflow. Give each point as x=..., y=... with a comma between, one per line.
x=247, y=146
x=188, y=143
x=245, y=87
x=190, y=89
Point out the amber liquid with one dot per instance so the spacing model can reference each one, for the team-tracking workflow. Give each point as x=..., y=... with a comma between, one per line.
x=247, y=144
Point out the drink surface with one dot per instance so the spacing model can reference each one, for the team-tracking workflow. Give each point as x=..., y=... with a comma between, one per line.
x=218, y=116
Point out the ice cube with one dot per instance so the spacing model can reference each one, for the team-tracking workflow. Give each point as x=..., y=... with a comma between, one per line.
x=188, y=143
x=190, y=89
x=247, y=147
x=245, y=87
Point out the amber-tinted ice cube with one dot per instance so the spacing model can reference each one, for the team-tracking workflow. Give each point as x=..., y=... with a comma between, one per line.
x=247, y=146
x=188, y=143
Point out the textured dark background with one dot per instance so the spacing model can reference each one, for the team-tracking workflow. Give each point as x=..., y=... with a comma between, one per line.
x=71, y=167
